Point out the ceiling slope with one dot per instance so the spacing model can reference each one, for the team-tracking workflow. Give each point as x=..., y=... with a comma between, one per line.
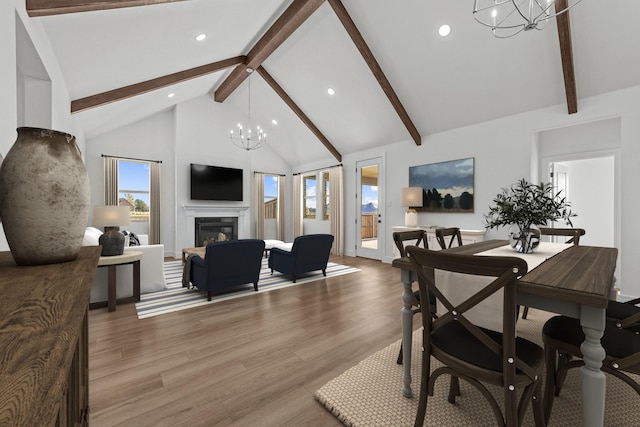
x=444, y=83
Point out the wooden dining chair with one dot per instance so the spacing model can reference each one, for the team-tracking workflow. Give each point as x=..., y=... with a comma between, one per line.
x=477, y=355
x=453, y=233
x=402, y=239
x=574, y=234
x=562, y=337
x=574, y=237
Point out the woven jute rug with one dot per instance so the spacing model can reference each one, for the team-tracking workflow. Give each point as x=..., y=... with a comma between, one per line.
x=370, y=393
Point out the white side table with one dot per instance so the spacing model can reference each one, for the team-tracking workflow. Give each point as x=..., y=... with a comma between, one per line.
x=111, y=262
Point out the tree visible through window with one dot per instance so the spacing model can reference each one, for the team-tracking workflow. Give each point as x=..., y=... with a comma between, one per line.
x=133, y=189
x=270, y=197
x=309, y=196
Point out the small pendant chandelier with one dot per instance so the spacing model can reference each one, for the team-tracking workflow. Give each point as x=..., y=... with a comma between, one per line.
x=246, y=138
x=506, y=18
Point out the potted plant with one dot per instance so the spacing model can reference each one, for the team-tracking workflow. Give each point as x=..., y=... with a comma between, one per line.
x=523, y=207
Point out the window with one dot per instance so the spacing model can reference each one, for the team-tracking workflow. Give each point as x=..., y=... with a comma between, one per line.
x=270, y=197
x=309, y=196
x=133, y=188
x=325, y=199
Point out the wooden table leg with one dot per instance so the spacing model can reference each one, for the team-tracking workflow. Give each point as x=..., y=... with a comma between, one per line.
x=111, y=292
x=136, y=280
x=594, y=381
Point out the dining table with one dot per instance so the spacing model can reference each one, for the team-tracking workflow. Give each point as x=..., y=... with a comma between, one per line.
x=575, y=281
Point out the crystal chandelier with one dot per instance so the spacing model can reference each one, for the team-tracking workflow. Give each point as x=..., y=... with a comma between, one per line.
x=246, y=138
x=506, y=18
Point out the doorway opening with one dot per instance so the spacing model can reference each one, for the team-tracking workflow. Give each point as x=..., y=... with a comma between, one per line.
x=369, y=216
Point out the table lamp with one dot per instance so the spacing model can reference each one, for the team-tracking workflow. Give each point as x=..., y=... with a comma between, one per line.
x=111, y=218
x=411, y=197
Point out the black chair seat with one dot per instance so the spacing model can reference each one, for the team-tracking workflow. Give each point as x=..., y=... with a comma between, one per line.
x=617, y=343
x=456, y=340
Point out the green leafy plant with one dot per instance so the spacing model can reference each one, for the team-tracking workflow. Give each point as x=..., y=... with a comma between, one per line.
x=525, y=204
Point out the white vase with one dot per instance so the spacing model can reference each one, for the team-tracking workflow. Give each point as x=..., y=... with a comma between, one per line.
x=44, y=197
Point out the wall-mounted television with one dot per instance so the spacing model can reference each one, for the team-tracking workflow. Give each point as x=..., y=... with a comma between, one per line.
x=215, y=183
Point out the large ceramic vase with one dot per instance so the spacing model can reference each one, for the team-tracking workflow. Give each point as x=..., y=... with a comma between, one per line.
x=44, y=197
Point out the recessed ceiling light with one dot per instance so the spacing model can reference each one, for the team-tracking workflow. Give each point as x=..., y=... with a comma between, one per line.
x=274, y=121
x=330, y=91
x=201, y=37
x=171, y=95
x=444, y=30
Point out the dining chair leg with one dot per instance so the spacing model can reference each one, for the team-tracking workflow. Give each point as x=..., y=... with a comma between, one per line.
x=454, y=389
x=525, y=312
x=538, y=406
x=424, y=395
x=550, y=381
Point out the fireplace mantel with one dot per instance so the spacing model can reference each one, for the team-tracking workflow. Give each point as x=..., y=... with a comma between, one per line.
x=193, y=210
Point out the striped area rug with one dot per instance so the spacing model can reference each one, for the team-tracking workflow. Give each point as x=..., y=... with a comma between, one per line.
x=176, y=298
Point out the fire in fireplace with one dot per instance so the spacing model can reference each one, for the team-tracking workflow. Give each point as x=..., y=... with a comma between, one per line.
x=215, y=229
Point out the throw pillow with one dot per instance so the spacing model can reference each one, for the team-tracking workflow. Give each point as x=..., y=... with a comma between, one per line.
x=130, y=239
x=133, y=240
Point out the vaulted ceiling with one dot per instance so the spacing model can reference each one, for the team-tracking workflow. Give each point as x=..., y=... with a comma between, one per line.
x=395, y=78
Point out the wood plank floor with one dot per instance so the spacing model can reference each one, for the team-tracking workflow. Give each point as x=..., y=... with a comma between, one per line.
x=252, y=361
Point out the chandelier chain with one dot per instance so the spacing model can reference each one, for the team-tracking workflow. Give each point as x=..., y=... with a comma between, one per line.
x=246, y=139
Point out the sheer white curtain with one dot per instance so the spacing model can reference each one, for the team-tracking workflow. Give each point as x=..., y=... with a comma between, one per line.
x=336, y=209
x=280, y=213
x=258, y=202
x=297, y=206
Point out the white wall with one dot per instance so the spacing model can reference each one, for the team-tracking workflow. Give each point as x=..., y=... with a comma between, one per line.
x=202, y=136
x=149, y=139
x=503, y=150
x=591, y=182
x=12, y=15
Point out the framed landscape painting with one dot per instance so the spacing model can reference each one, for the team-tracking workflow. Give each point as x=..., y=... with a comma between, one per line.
x=447, y=186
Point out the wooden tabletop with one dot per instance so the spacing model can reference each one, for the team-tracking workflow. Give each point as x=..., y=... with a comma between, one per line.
x=583, y=274
x=125, y=258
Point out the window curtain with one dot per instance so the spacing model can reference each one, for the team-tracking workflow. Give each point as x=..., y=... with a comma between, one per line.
x=297, y=206
x=110, y=167
x=280, y=214
x=154, y=200
x=336, y=209
x=258, y=183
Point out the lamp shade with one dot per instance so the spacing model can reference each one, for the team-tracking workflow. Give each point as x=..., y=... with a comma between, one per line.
x=111, y=216
x=411, y=196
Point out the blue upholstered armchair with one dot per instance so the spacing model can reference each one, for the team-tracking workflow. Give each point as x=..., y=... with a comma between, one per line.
x=227, y=264
x=308, y=253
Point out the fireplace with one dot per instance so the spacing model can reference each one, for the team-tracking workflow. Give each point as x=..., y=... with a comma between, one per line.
x=215, y=229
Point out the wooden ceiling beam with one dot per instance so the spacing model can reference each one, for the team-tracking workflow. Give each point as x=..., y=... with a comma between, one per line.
x=566, y=54
x=375, y=68
x=153, y=84
x=298, y=111
x=285, y=25
x=59, y=7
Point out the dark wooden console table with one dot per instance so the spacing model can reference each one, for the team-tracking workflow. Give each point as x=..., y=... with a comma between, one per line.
x=44, y=373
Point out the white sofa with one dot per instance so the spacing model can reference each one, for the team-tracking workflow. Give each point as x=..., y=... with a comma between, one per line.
x=151, y=269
